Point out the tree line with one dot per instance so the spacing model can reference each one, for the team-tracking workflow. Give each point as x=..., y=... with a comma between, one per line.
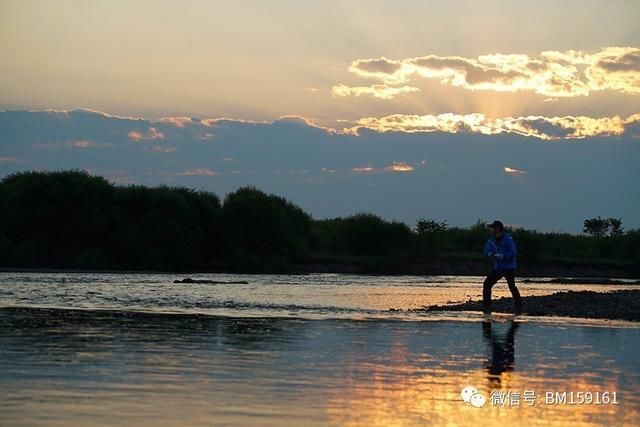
x=74, y=220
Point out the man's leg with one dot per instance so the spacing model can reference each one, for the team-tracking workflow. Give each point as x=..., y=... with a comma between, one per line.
x=491, y=280
x=511, y=281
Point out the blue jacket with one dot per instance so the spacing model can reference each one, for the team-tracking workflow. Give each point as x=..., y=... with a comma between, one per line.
x=506, y=247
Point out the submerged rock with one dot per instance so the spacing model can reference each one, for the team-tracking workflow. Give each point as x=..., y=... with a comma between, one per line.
x=232, y=282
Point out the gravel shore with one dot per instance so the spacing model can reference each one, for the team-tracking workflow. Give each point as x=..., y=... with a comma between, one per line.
x=615, y=305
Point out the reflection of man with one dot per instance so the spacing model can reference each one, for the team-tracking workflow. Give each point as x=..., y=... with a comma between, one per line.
x=501, y=249
x=502, y=350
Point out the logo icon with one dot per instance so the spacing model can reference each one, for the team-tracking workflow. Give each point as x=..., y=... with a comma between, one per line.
x=472, y=396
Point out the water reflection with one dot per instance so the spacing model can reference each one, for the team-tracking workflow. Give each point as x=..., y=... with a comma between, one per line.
x=502, y=351
x=62, y=367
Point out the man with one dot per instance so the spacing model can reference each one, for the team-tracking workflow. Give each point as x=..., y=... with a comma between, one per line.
x=501, y=249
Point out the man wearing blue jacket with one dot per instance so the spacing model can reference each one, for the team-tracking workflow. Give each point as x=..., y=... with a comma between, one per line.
x=501, y=249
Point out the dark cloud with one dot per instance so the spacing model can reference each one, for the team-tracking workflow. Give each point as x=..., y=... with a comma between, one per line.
x=380, y=65
x=477, y=75
x=629, y=62
x=439, y=62
x=474, y=73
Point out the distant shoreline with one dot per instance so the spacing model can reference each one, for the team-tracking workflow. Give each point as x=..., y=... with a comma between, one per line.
x=70, y=221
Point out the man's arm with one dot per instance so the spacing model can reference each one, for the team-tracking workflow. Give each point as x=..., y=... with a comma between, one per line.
x=489, y=249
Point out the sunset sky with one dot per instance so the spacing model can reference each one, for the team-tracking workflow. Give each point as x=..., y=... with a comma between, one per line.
x=465, y=110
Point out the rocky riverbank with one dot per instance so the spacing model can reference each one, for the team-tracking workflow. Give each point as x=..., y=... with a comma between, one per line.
x=615, y=305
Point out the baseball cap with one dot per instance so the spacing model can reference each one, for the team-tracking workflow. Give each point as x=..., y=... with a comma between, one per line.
x=496, y=224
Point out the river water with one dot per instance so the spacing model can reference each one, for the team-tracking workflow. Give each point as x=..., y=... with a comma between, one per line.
x=137, y=349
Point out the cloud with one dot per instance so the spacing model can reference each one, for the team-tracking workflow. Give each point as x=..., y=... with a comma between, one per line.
x=399, y=167
x=8, y=160
x=213, y=122
x=364, y=169
x=162, y=149
x=552, y=74
x=616, y=69
x=81, y=144
x=381, y=91
x=88, y=112
x=379, y=67
x=545, y=128
x=86, y=143
x=296, y=119
x=151, y=134
x=178, y=121
x=197, y=172
x=513, y=171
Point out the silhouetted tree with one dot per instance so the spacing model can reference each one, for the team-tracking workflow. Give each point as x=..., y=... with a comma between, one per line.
x=424, y=226
x=615, y=227
x=601, y=227
x=265, y=224
x=71, y=219
x=368, y=234
x=431, y=238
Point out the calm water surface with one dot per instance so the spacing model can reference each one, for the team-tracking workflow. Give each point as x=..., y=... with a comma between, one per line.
x=115, y=349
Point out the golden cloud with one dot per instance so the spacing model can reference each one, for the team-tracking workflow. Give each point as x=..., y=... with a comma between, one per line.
x=381, y=91
x=513, y=171
x=552, y=74
x=399, y=167
x=546, y=128
x=305, y=120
